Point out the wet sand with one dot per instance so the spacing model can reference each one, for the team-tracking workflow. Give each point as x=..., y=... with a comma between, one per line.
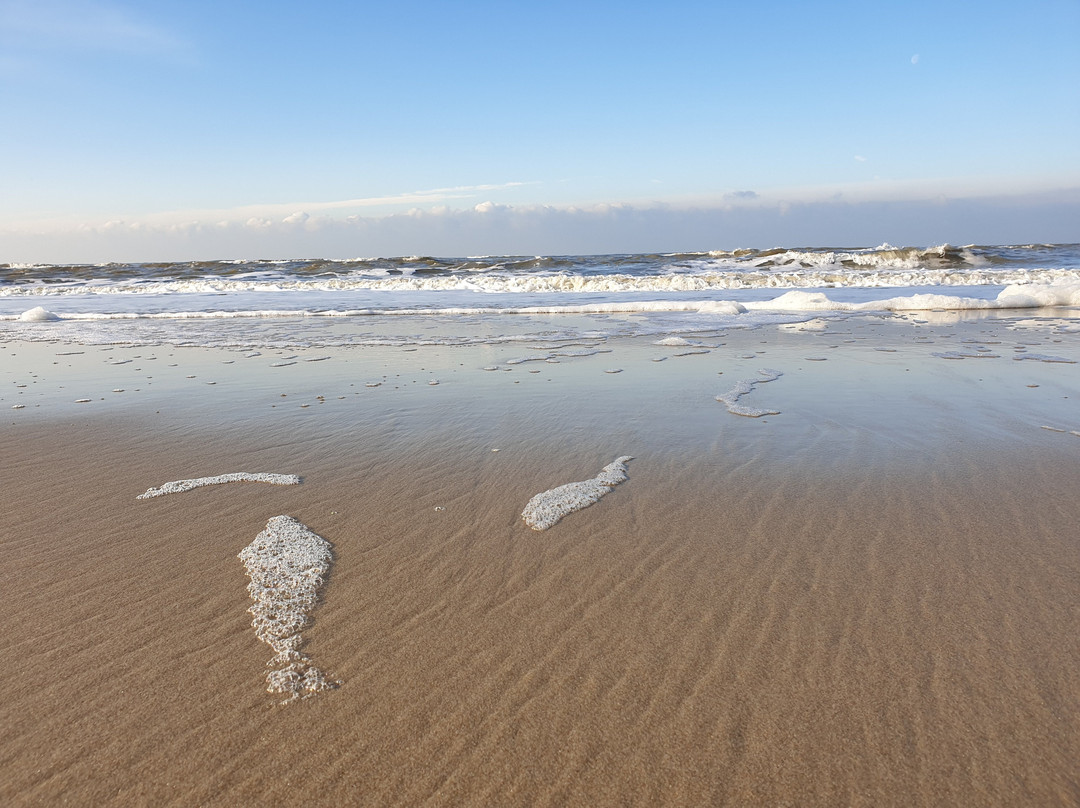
x=871, y=598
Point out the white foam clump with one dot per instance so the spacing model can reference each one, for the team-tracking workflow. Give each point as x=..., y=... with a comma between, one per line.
x=38, y=315
x=547, y=508
x=179, y=486
x=731, y=397
x=287, y=564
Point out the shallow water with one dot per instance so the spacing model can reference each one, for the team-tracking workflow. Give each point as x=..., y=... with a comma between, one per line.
x=494, y=299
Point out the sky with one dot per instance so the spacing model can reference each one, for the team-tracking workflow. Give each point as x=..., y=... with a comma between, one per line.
x=197, y=129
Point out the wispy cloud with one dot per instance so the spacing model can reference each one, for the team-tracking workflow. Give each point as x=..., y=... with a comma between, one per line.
x=45, y=25
x=432, y=196
x=294, y=212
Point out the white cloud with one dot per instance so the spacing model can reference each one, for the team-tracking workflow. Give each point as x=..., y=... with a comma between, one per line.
x=860, y=158
x=287, y=210
x=542, y=229
x=915, y=59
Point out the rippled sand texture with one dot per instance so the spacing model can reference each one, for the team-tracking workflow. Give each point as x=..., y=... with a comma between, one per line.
x=793, y=611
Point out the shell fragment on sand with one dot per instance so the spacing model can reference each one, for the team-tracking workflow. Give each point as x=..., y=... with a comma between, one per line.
x=547, y=508
x=288, y=565
x=179, y=486
x=731, y=397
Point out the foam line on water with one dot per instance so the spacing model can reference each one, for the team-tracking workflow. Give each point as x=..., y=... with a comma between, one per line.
x=548, y=507
x=179, y=486
x=556, y=354
x=1045, y=358
x=965, y=355
x=288, y=565
x=731, y=397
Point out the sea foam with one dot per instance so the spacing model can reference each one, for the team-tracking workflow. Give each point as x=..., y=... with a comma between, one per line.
x=179, y=486
x=288, y=565
x=547, y=508
x=1045, y=358
x=38, y=314
x=731, y=397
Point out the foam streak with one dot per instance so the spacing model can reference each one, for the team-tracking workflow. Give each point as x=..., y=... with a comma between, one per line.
x=731, y=397
x=547, y=508
x=179, y=486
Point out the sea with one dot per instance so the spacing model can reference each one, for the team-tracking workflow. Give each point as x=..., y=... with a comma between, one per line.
x=419, y=300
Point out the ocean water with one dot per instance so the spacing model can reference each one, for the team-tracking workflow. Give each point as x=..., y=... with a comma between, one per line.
x=420, y=300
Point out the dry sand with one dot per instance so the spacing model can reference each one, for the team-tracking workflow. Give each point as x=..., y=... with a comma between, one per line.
x=872, y=598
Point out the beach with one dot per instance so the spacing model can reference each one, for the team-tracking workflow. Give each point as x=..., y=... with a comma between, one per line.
x=870, y=597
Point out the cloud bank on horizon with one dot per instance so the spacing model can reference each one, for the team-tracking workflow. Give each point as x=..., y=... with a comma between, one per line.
x=492, y=229
x=184, y=131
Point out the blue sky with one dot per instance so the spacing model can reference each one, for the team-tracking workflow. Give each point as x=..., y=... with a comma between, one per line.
x=173, y=130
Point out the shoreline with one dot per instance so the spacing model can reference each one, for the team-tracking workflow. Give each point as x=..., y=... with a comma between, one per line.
x=872, y=597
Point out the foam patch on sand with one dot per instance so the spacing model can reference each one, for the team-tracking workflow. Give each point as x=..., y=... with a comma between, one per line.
x=547, y=508
x=731, y=397
x=1046, y=358
x=817, y=324
x=547, y=357
x=682, y=342
x=179, y=486
x=288, y=565
x=965, y=355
